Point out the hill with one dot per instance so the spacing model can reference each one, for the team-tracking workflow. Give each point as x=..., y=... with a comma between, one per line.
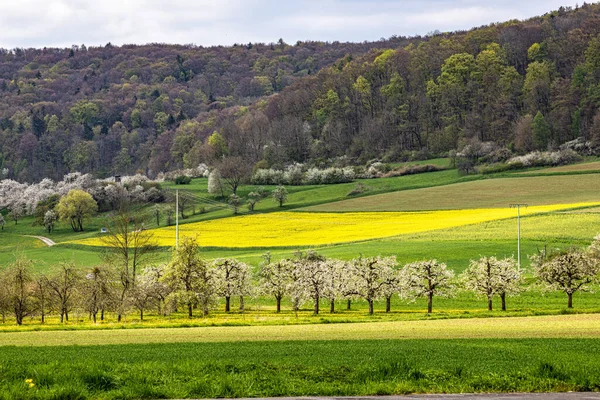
x=524, y=85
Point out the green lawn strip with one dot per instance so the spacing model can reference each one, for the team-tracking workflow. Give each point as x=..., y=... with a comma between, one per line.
x=306, y=367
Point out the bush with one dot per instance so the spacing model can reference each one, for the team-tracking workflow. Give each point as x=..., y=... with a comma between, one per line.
x=183, y=180
x=495, y=168
x=315, y=176
x=294, y=176
x=267, y=177
x=358, y=189
x=546, y=159
x=465, y=166
x=412, y=170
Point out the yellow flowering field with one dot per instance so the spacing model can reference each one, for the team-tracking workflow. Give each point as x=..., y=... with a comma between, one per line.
x=292, y=229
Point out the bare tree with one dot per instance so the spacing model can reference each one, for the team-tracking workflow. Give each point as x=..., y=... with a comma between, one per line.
x=41, y=296
x=97, y=291
x=63, y=287
x=234, y=171
x=18, y=283
x=128, y=247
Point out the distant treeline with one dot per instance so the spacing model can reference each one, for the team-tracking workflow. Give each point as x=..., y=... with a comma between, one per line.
x=109, y=110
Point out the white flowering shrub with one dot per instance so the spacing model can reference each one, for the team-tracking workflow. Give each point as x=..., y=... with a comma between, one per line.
x=268, y=177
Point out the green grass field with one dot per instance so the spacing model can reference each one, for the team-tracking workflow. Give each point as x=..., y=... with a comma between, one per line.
x=299, y=368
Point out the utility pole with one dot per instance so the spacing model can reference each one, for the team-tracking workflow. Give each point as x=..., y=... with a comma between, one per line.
x=177, y=218
x=518, y=207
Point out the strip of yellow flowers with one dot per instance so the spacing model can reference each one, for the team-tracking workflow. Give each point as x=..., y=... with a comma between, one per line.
x=289, y=229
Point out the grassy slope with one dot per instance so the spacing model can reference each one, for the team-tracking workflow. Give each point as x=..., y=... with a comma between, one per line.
x=481, y=194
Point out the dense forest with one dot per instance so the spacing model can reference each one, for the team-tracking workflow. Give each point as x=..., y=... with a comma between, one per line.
x=525, y=85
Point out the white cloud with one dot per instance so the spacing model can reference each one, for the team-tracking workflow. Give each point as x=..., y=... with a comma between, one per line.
x=37, y=23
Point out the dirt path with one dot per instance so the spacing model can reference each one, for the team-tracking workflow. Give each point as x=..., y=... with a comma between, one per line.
x=47, y=242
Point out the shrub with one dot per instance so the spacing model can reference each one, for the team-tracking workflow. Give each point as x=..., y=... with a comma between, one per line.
x=358, y=189
x=495, y=168
x=412, y=170
x=183, y=180
x=546, y=158
x=267, y=177
x=293, y=175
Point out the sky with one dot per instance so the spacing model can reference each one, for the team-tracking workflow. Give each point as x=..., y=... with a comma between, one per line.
x=62, y=23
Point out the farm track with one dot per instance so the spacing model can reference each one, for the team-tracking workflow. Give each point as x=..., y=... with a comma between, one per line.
x=48, y=242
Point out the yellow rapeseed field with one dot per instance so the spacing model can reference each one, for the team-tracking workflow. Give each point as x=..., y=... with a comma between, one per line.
x=293, y=229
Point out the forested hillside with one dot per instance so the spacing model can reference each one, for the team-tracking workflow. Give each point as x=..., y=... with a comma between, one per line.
x=109, y=110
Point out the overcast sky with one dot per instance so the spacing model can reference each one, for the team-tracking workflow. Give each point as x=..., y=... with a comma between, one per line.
x=51, y=23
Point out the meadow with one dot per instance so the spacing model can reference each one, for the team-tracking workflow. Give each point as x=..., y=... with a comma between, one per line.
x=299, y=368
x=489, y=193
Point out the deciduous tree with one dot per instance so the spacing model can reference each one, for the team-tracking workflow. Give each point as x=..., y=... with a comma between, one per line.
x=568, y=271
x=427, y=279
x=489, y=276
x=76, y=207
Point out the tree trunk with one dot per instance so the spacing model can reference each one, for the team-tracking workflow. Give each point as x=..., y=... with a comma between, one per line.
x=430, y=303
x=388, y=304
x=349, y=304
x=370, y=306
x=316, y=305
x=242, y=303
x=141, y=314
x=66, y=316
x=227, y=303
x=94, y=316
x=62, y=317
x=570, y=302
x=278, y=304
x=332, y=306
x=43, y=317
x=102, y=314
x=190, y=310
x=489, y=303
x=503, y=298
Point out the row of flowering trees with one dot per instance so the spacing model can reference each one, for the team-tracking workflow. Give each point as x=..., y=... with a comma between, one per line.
x=189, y=283
x=23, y=199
